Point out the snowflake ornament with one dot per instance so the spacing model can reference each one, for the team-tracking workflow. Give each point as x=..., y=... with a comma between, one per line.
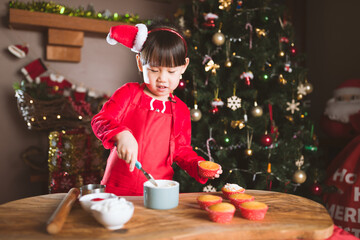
x=293, y=106
x=234, y=102
x=209, y=188
x=301, y=89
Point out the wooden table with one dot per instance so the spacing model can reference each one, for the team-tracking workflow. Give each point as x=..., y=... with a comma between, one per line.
x=288, y=217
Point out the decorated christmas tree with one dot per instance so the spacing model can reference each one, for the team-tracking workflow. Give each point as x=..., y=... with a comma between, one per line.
x=247, y=89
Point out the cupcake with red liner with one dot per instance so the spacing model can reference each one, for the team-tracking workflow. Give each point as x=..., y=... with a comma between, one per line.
x=253, y=210
x=231, y=188
x=208, y=200
x=221, y=212
x=239, y=198
x=208, y=169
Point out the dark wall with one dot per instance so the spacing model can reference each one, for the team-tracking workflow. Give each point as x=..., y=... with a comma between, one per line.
x=332, y=47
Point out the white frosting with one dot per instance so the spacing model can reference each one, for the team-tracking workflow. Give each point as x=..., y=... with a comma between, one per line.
x=167, y=184
x=232, y=187
x=162, y=184
x=112, y=204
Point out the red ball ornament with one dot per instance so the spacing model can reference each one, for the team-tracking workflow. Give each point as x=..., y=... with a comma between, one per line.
x=182, y=84
x=266, y=140
x=316, y=189
x=293, y=50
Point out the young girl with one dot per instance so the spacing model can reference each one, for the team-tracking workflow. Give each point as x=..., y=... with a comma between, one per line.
x=145, y=122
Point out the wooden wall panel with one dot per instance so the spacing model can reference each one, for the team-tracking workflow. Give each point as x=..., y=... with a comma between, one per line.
x=63, y=53
x=65, y=37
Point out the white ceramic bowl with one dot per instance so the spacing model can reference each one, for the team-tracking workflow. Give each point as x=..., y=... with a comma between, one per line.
x=113, y=213
x=88, y=200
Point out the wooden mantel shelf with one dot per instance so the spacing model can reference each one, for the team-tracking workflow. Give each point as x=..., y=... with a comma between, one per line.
x=23, y=18
x=70, y=30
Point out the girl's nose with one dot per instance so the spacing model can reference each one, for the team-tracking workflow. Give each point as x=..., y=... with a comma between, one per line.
x=162, y=77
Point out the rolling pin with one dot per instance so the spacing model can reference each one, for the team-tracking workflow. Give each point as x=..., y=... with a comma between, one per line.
x=57, y=219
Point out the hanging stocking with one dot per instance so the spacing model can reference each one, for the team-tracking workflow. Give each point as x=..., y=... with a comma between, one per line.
x=34, y=69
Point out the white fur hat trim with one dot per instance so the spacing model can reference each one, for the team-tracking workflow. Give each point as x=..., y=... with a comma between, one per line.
x=110, y=40
x=140, y=37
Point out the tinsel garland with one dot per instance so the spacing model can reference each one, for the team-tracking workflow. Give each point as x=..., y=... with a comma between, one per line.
x=51, y=7
x=76, y=158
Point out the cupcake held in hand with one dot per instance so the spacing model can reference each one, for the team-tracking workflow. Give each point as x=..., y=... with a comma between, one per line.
x=208, y=169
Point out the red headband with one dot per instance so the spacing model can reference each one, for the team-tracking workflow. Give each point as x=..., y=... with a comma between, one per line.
x=172, y=31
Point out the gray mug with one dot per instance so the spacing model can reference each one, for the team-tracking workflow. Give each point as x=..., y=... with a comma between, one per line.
x=165, y=196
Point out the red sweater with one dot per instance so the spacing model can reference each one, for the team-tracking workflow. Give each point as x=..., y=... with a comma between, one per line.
x=126, y=110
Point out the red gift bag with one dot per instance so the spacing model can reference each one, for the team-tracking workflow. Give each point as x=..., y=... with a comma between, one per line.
x=344, y=173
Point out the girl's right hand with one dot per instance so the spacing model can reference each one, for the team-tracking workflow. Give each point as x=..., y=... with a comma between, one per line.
x=127, y=148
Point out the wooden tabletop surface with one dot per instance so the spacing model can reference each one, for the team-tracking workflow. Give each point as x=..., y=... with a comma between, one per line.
x=288, y=217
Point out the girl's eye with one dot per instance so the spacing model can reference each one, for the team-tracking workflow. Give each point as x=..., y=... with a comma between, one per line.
x=171, y=71
x=153, y=70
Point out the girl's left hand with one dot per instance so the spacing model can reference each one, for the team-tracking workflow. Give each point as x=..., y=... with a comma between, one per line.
x=217, y=175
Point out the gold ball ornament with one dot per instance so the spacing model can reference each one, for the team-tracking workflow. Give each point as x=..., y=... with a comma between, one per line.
x=309, y=87
x=228, y=63
x=257, y=111
x=195, y=114
x=218, y=38
x=248, y=152
x=300, y=96
x=187, y=33
x=299, y=176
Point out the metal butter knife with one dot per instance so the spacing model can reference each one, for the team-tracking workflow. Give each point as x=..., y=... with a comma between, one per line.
x=147, y=175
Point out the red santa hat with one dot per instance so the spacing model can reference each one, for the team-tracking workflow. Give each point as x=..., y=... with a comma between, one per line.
x=132, y=37
x=348, y=87
x=19, y=51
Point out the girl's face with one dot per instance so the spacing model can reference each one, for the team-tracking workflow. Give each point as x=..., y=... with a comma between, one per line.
x=161, y=81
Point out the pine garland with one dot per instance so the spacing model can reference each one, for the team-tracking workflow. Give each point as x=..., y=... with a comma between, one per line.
x=89, y=12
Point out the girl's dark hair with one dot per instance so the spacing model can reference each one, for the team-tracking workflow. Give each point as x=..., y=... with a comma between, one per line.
x=163, y=48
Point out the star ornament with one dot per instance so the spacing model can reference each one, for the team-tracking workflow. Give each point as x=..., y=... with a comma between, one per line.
x=293, y=106
x=301, y=89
